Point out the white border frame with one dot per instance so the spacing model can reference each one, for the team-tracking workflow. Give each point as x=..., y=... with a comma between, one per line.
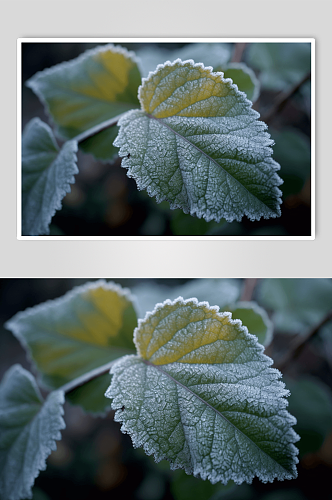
x=20, y=41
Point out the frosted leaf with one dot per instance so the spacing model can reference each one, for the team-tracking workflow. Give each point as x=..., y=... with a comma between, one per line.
x=201, y=394
x=197, y=144
x=28, y=430
x=47, y=173
x=79, y=94
x=69, y=336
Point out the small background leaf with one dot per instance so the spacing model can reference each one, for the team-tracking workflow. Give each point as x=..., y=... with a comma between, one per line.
x=280, y=64
x=28, y=430
x=297, y=303
x=100, y=84
x=84, y=329
x=255, y=319
x=244, y=77
x=46, y=176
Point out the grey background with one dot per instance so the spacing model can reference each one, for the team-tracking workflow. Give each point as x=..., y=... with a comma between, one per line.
x=194, y=19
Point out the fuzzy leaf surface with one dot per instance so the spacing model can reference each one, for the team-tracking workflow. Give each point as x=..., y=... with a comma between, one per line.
x=197, y=144
x=47, y=173
x=86, y=328
x=29, y=428
x=99, y=84
x=201, y=394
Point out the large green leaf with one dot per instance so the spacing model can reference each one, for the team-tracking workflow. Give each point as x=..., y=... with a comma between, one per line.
x=86, y=328
x=98, y=85
x=297, y=304
x=46, y=176
x=28, y=430
x=201, y=394
x=198, y=144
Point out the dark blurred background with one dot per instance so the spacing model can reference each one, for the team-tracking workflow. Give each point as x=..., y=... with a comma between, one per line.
x=105, y=202
x=94, y=460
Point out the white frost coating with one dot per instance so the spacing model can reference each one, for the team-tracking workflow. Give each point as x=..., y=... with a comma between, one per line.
x=46, y=176
x=204, y=397
x=28, y=430
x=202, y=152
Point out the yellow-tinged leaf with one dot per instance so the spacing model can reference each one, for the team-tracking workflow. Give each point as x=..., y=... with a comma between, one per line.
x=188, y=334
x=98, y=85
x=197, y=143
x=201, y=394
x=182, y=89
x=86, y=328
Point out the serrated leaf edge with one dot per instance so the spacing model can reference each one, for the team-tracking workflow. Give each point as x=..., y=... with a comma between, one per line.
x=138, y=442
x=144, y=185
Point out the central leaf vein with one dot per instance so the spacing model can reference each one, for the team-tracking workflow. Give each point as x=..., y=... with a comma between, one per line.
x=148, y=363
x=229, y=175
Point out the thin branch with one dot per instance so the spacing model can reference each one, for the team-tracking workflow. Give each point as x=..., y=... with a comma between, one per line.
x=299, y=343
x=87, y=377
x=98, y=128
x=248, y=290
x=282, y=98
x=238, y=52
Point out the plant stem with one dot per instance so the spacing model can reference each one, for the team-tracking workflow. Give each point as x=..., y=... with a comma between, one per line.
x=87, y=377
x=248, y=290
x=97, y=128
x=238, y=52
x=282, y=98
x=299, y=342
